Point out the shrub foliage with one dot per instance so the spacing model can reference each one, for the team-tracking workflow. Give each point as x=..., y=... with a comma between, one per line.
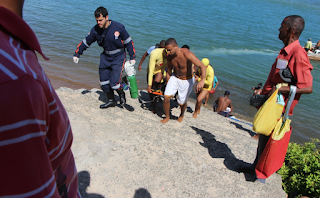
x=301, y=170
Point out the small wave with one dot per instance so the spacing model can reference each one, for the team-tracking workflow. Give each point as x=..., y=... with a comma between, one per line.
x=223, y=51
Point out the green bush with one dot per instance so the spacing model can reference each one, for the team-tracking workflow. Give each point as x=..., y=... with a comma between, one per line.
x=301, y=170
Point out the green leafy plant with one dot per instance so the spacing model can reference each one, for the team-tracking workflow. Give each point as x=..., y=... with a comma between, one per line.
x=301, y=170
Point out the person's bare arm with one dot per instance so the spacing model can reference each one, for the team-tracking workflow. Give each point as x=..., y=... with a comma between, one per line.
x=141, y=61
x=216, y=102
x=231, y=106
x=190, y=56
x=306, y=90
x=169, y=69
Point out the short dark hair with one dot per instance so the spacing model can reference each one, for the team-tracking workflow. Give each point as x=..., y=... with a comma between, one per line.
x=185, y=46
x=296, y=22
x=171, y=41
x=101, y=10
x=162, y=43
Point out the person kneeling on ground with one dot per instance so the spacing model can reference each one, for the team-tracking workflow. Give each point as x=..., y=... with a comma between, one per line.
x=223, y=105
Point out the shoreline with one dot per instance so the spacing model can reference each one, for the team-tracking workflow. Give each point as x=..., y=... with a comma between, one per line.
x=124, y=152
x=87, y=80
x=84, y=75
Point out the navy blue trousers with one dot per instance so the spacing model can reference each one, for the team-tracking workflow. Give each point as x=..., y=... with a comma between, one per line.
x=110, y=71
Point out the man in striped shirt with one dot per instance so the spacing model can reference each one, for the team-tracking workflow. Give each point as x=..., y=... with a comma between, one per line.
x=35, y=132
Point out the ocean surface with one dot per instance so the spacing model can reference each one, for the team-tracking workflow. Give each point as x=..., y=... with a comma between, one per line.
x=240, y=38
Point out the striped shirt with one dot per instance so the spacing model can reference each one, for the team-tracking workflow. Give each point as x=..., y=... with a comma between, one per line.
x=35, y=132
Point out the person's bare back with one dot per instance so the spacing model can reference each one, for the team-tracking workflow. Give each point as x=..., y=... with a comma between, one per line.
x=223, y=102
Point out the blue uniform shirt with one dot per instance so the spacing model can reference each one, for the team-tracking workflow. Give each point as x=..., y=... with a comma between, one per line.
x=116, y=39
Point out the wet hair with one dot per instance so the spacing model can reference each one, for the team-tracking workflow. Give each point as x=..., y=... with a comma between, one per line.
x=227, y=93
x=171, y=41
x=296, y=22
x=185, y=46
x=101, y=10
x=162, y=43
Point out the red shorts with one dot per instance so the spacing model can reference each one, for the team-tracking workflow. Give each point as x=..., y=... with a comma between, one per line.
x=212, y=91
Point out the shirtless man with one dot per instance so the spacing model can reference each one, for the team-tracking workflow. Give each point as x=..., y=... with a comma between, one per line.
x=181, y=80
x=223, y=105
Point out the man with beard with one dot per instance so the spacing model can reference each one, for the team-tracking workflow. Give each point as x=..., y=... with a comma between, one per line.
x=181, y=61
x=114, y=38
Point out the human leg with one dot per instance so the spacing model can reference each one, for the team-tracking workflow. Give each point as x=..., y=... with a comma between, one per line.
x=207, y=98
x=104, y=74
x=170, y=91
x=183, y=109
x=263, y=140
x=166, y=107
x=157, y=81
x=117, y=66
x=184, y=90
x=122, y=96
x=110, y=101
x=200, y=97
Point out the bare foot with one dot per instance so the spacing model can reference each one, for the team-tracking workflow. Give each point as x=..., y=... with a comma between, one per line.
x=180, y=118
x=195, y=115
x=165, y=120
x=205, y=104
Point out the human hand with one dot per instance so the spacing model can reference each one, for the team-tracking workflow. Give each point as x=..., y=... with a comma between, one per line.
x=75, y=59
x=149, y=88
x=132, y=62
x=139, y=68
x=200, y=85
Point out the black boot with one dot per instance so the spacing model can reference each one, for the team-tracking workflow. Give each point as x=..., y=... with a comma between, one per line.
x=122, y=96
x=110, y=102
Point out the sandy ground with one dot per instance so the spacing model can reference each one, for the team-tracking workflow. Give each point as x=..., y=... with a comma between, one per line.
x=127, y=152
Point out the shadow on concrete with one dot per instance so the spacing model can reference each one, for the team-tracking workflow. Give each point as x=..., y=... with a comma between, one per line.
x=239, y=126
x=217, y=149
x=142, y=193
x=83, y=183
x=103, y=98
x=147, y=104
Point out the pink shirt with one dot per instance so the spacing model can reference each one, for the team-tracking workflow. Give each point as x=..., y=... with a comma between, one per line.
x=35, y=132
x=300, y=66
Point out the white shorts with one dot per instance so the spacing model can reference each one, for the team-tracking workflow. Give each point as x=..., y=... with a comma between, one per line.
x=184, y=88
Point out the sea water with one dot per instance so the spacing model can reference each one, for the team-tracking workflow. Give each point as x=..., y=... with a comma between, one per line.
x=240, y=38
